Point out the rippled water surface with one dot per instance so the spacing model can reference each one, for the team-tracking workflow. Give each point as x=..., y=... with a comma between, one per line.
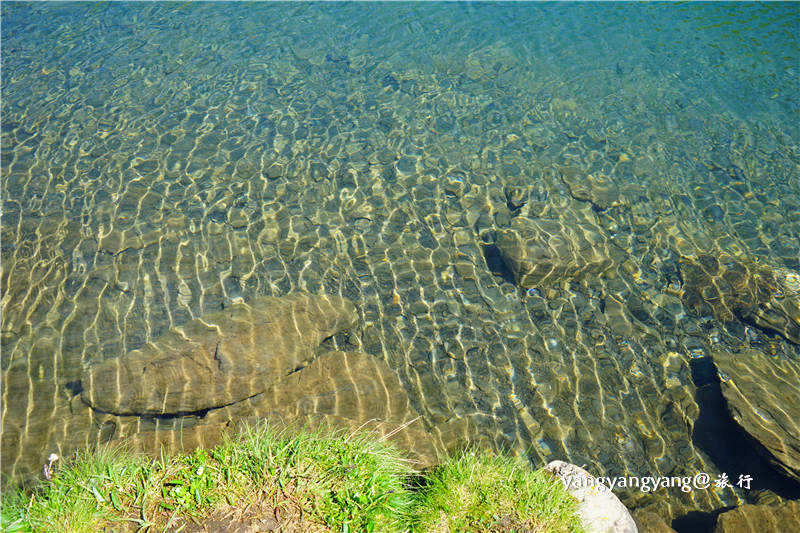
x=161, y=162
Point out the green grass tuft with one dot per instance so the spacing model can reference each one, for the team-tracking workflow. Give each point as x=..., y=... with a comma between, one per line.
x=322, y=481
x=354, y=480
x=82, y=496
x=482, y=492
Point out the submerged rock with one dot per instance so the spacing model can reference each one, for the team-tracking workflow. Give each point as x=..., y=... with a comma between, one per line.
x=346, y=390
x=219, y=359
x=599, y=510
x=542, y=251
x=761, y=393
x=352, y=390
x=760, y=519
x=650, y=522
x=597, y=189
x=731, y=288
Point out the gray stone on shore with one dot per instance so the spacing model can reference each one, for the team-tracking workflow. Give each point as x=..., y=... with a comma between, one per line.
x=544, y=251
x=599, y=510
x=761, y=393
x=218, y=359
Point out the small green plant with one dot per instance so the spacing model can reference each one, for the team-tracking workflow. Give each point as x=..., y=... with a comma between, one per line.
x=190, y=487
x=12, y=516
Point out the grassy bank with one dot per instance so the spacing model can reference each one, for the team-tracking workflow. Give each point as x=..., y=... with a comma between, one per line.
x=320, y=481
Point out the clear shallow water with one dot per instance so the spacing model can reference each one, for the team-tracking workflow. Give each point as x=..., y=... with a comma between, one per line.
x=162, y=161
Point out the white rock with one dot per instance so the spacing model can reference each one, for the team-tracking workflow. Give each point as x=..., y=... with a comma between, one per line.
x=600, y=511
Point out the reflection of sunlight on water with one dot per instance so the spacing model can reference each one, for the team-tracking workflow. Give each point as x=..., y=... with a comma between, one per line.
x=543, y=448
x=264, y=165
x=697, y=353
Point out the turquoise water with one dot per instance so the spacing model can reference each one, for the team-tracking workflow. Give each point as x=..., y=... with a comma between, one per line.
x=161, y=161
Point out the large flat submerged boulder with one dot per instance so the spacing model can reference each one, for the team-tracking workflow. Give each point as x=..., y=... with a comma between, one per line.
x=762, y=392
x=339, y=390
x=544, y=251
x=218, y=359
